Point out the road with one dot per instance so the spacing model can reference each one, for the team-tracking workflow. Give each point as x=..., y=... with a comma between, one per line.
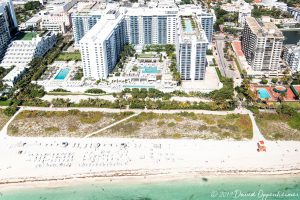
x=221, y=59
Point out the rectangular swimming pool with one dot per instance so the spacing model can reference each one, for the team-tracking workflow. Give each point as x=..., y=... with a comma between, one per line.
x=188, y=26
x=150, y=70
x=63, y=73
x=263, y=93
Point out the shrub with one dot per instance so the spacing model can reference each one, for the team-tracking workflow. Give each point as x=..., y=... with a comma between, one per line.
x=286, y=110
x=10, y=111
x=264, y=81
x=95, y=91
x=274, y=80
x=59, y=90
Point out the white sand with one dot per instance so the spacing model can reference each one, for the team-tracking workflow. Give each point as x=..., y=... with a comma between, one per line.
x=48, y=158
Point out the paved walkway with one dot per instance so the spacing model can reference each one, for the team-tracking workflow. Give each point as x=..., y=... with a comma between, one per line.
x=257, y=136
x=112, y=110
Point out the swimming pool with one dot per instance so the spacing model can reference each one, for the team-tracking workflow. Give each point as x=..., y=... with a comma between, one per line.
x=188, y=26
x=150, y=70
x=62, y=74
x=263, y=93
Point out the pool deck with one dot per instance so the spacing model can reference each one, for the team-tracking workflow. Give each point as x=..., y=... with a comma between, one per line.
x=274, y=96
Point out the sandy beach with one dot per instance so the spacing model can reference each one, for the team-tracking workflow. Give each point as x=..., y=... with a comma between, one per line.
x=42, y=159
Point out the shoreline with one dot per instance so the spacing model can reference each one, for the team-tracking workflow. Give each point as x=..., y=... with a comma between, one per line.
x=132, y=178
x=49, y=162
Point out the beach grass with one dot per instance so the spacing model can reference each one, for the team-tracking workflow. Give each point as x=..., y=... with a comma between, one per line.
x=183, y=125
x=279, y=127
x=72, y=123
x=295, y=105
x=3, y=118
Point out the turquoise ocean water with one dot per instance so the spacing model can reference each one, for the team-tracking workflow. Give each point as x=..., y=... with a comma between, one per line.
x=261, y=188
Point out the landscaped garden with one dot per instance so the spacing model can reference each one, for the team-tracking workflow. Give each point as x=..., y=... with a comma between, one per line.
x=74, y=56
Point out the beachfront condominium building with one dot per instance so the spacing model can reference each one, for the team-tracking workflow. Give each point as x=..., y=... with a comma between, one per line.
x=8, y=25
x=207, y=24
x=145, y=25
x=244, y=11
x=295, y=12
x=204, y=18
x=191, y=49
x=21, y=51
x=102, y=45
x=83, y=22
x=149, y=25
x=291, y=55
x=86, y=16
x=4, y=36
x=262, y=45
x=7, y=9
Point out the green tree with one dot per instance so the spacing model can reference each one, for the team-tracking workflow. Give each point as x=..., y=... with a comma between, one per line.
x=264, y=81
x=274, y=80
x=11, y=110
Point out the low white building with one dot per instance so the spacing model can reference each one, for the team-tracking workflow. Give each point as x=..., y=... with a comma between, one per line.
x=60, y=5
x=55, y=21
x=21, y=52
x=14, y=75
x=33, y=22
x=274, y=3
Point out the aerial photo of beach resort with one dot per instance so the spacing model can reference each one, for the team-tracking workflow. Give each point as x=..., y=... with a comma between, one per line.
x=149, y=99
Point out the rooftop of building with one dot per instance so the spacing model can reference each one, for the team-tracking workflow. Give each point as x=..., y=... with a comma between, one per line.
x=295, y=9
x=16, y=71
x=294, y=48
x=150, y=11
x=237, y=47
x=34, y=19
x=263, y=29
x=84, y=8
x=189, y=29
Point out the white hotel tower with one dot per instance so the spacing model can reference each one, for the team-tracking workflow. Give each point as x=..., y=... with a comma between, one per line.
x=101, y=46
x=191, y=49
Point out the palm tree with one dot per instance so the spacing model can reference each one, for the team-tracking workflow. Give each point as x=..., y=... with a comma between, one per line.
x=281, y=96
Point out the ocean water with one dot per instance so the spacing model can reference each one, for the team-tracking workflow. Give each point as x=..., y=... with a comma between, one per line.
x=261, y=188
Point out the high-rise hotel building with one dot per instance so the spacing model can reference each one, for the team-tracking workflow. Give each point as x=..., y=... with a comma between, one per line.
x=151, y=25
x=191, y=49
x=82, y=22
x=8, y=24
x=262, y=45
x=102, y=45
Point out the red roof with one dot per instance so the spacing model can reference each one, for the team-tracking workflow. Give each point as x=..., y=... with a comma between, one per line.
x=238, y=48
